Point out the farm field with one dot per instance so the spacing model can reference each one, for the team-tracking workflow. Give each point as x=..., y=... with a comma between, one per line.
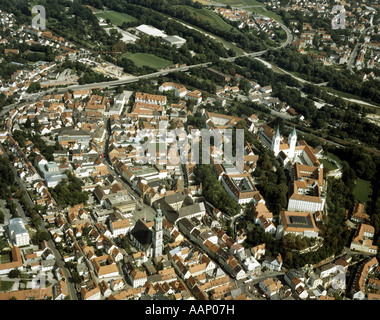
x=204, y=2
x=241, y=3
x=147, y=59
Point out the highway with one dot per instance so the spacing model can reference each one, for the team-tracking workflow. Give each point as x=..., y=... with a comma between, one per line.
x=114, y=83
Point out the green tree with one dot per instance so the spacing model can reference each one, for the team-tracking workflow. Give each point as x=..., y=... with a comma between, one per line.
x=14, y=273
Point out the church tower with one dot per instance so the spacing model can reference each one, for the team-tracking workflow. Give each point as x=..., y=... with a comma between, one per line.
x=292, y=140
x=276, y=142
x=157, y=233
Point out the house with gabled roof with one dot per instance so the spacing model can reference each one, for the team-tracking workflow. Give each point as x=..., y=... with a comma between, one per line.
x=271, y=288
x=60, y=290
x=91, y=291
x=105, y=267
x=272, y=263
x=137, y=278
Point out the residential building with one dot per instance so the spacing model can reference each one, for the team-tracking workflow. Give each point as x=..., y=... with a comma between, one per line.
x=18, y=233
x=271, y=288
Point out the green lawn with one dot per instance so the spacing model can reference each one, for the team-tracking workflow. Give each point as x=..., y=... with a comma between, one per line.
x=334, y=157
x=5, y=258
x=362, y=190
x=147, y=59
x=6, y=285
x=116, y=18
x=328, y=165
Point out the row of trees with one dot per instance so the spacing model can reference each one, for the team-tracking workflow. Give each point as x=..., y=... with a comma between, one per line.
x=213, y=190
x=350, y=116
x=314, y=71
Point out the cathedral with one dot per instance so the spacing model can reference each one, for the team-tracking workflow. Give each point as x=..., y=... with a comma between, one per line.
x=288, y=150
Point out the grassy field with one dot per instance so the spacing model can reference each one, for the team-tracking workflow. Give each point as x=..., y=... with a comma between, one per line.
x=217, y=21
x=146, y=59
x=207, y=15
x=5, y=258
x=328, y=165
x=362, y=190
x=6, y=285
x=241, y=3
x=116, y=18
x=334, y=157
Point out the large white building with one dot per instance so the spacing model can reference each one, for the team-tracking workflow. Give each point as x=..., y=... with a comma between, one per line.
x=150, y=31
x=179, y=89
x=174, y=41
x=306, y=191
x=119, y=101
x=363, y=239
x=18, y=233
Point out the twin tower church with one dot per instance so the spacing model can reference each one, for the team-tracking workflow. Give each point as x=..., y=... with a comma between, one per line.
x=288, y=151
x=288, y=148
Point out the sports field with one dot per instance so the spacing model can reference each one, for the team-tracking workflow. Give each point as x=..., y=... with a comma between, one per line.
x=147, y=59
x=117, y=18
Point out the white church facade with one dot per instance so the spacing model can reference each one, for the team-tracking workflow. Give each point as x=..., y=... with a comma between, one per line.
x=307, y=187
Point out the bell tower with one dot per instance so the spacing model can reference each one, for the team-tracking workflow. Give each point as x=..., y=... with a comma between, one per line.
x=276, y=140
x=157, y=233
x=292, y=143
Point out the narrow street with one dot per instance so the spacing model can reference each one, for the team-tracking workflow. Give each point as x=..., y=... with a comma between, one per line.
x=57, y=255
